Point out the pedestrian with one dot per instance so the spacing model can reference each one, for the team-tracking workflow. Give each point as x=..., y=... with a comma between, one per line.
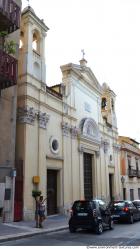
x=40, y=212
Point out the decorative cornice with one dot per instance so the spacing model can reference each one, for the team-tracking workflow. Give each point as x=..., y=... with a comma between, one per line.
x=26, y=115
x=49, y=107
x=81, y=149
x=116, y=147
x=43, y=119
x=74, y=131
x=68, y=129
x=65, y=128
x=89, y=149
x=59, y=158
x=130, y=148
x=105, y=144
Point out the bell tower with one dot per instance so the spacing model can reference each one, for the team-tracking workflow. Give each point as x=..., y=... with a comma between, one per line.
x=108, y=106
x=32, y=46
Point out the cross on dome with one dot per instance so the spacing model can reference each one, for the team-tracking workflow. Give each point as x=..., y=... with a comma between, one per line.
x=83, y=52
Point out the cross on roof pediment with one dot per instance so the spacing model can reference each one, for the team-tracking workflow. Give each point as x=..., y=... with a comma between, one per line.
x=83, y=73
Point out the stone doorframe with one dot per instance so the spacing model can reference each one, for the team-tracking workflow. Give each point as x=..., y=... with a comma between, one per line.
x=94, y=151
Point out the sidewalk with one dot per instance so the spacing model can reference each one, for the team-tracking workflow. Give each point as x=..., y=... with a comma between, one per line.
x=23, y=229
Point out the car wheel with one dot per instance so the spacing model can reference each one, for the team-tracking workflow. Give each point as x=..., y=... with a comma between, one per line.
x=131, y=219
x=111, y=224
x=99, y=228
x=72, y=229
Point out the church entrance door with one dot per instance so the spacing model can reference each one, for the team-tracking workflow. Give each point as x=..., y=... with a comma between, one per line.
x=88, y=184
x=51, y=192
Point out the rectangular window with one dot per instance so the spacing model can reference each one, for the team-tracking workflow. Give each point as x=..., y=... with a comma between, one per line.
x=139, y=193
x=124, y=193
x=129, y=162
x=131, y=194
x=137, y=164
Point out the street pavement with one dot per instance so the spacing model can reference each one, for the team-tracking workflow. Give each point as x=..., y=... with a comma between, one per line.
x=56, y=233
x=24, y=229
x=122, y=235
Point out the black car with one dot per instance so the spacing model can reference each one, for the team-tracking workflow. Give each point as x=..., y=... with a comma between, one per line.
x=124, y=211
x=137, y=204
x=92, y=214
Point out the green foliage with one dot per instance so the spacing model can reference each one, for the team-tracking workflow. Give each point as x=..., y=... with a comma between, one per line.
x=10, y=47
x=36, y=193
x=3, y=33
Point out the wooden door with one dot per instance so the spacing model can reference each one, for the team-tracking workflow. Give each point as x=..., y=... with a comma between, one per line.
x=51, y=192
x=88, y=186
x=18, y=205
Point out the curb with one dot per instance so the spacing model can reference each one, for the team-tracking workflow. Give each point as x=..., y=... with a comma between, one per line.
x=30, y=234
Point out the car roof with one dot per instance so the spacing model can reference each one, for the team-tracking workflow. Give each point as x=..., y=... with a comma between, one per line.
x=89, y=200
x=124, y=201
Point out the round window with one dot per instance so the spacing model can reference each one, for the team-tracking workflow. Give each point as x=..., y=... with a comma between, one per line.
x=54, y=145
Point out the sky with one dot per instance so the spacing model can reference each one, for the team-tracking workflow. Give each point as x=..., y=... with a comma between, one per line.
x=109, y=33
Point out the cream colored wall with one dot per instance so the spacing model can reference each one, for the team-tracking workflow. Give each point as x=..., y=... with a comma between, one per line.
x=130, y=182
x=34, y=143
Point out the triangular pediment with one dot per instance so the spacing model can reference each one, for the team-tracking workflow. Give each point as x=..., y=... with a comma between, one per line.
x=83, y=73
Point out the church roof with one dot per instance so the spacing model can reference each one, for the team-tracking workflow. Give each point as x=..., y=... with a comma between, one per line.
x=85, y=73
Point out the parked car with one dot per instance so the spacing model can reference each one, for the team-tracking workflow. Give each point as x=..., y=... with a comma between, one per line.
x=124, y=211
x=137, y=204
x=92, y=214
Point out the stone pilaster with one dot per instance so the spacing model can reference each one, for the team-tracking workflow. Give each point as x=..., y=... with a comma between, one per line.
x=26, y=115
x=43, y=120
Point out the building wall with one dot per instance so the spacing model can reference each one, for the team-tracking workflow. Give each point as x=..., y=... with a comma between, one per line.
x=129, y=148
x=74, y=119
x=8, y=101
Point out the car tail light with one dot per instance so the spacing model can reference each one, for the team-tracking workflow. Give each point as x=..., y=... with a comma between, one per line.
x=125, y=209
x=94, y=212
x=71, y=212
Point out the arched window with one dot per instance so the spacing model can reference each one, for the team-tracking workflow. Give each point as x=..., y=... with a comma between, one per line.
x=21, y=42
x=104, y=104
x=112, y=104
x=36, y=42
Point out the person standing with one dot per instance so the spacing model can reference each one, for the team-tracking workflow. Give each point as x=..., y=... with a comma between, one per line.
x=41, y=211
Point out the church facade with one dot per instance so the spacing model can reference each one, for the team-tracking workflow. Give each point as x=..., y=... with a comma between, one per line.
x=67, y=138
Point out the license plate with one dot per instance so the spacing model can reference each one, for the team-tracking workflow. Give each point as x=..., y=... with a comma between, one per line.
x=82, y=214
x=115, y=216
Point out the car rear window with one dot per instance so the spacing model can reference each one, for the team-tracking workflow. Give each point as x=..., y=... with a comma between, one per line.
x=119, y=205
x=82, y=206
x=136, y=203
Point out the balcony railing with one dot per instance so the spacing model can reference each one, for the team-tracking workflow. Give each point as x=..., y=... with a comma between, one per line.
x=8, y=70
x=132, y=172
x=9, y=16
